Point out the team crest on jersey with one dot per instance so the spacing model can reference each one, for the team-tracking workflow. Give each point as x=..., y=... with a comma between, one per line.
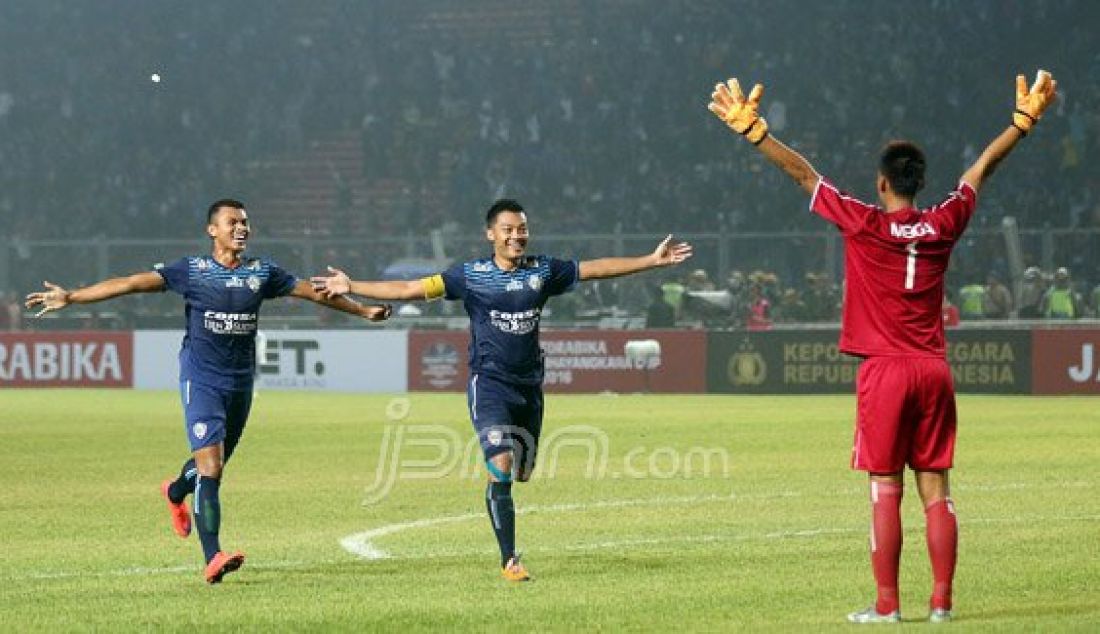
x=495, y=437
x=253, y=283
x=199, y=430
x=535, y=282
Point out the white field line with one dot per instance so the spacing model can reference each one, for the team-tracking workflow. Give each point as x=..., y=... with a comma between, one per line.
x=1013, y=486
x=361, y=544
x=582, y=547
x=141, y=571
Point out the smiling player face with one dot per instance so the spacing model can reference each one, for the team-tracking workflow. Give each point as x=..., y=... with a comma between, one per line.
x=509, y=237
x=229, y=229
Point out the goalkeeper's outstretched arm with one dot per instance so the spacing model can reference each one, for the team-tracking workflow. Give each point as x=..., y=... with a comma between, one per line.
x=729, y=104
x=1030, y=105
x=794, y=164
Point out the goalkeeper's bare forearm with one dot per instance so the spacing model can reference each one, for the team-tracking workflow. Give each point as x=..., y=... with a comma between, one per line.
x=792, y=163
x=993, y=154
x=1030, y=105
x=741, y=115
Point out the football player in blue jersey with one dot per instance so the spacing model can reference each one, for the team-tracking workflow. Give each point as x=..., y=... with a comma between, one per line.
x=504, y=295
x=223, y=292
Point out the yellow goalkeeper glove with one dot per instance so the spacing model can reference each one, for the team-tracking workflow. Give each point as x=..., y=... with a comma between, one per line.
x=729, y=104
x=1030, y=104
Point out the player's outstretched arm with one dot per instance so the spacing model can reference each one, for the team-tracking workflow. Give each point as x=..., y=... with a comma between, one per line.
x=666, y=254
x=1030, y=104
x=338, y=283
x=56, y=297
x=741, y=114
x=372, y=312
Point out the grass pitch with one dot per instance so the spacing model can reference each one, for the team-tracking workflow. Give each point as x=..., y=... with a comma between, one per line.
x=693, y=513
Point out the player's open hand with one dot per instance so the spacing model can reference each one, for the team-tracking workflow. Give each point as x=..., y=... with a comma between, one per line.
x=54, y=298
x=334, y=284
x=378, y=312
x=667, y=253
x=741, y=114
x=1030, y=103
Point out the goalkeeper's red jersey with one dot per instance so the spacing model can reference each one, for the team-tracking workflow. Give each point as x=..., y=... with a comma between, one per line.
x=894, y=270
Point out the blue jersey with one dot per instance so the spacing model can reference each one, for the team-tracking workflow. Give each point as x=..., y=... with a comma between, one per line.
x=222, y=309
x=505, y=308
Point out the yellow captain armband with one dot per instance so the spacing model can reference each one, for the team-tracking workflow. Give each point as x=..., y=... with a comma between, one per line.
x=433, y=286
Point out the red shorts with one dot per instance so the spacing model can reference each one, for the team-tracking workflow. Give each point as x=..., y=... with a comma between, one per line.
x=906, y=415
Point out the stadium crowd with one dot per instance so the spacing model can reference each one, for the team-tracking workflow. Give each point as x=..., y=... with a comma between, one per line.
x=760, y=300
x=591, y=113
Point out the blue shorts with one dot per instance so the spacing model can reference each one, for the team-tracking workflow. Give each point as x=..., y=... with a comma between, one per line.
x=213, y=416
x=506, y=417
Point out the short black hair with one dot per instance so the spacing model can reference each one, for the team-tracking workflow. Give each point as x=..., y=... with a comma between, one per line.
x=902, y=164
x=218, y=204
x=499, y=207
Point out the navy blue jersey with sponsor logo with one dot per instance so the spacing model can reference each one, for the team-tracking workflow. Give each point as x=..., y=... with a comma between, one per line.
x=505, y=308
x=222, y=308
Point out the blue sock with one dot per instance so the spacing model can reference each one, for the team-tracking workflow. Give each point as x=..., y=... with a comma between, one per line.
x=184, y=485
x=502, y=512
x=208, y=514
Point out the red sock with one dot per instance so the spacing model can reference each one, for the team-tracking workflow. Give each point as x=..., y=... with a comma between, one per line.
x=942, y=530
x=886, y=542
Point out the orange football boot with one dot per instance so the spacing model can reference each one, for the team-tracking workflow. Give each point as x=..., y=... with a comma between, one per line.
x=181, y=515
x=515, y=570
x=223, y=564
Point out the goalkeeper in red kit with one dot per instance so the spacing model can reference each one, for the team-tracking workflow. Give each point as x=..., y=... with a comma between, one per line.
x=896, y=255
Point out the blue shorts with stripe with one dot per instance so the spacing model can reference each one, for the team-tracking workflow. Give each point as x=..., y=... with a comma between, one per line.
x=506, y=417
x=214, y=415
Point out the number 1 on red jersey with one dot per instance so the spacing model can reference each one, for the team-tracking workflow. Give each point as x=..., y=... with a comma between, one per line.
x=910, y=265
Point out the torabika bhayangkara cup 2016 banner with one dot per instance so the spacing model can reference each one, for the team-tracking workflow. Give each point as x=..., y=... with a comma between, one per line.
x=576, y=361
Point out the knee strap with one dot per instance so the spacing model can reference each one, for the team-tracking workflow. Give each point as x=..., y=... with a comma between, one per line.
x=497, y=473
